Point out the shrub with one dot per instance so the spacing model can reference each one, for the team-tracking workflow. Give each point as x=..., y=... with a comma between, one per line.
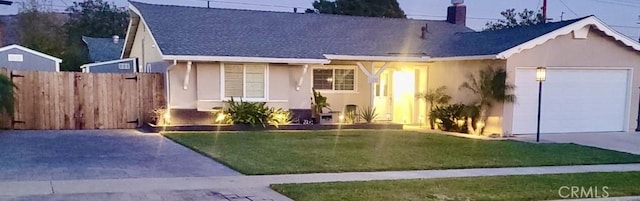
x=248, y=113
x=455, y=117
x=279, y=117
x=221, y=117
x=159, y=116
x=368, y=113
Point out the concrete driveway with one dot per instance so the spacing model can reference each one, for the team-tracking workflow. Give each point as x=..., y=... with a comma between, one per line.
x=100, y=154
x=618, y=141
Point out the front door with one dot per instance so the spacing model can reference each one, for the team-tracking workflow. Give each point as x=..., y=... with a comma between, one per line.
x=403, y=98
x=382, y=99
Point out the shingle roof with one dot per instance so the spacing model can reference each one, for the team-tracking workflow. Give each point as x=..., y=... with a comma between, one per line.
x=103, y=49
x=195, y=31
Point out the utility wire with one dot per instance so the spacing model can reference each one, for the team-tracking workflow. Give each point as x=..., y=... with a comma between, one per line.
x=571, y=10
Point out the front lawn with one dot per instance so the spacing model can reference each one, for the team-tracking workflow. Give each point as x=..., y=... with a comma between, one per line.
x=377, y=150
x=528, y=187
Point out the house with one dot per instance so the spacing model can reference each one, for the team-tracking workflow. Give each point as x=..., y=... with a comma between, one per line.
x=16, y=57
x=104, y=53
x=210, y=55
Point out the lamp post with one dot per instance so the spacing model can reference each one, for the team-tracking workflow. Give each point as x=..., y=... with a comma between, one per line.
x=541, y=76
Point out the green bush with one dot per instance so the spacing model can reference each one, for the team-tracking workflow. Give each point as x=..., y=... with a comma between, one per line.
x=248, y=113
x=451, y=116
x=368, y=113
x=279, y=117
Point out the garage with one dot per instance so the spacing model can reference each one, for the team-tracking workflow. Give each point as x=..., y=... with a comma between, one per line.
x=573, y=100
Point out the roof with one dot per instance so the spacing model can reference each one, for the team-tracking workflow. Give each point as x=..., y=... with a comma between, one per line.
x=246, y=33
x=214, y=33
x=103, y=49
x=107, y=62
x=495, y=41
x=31, y=51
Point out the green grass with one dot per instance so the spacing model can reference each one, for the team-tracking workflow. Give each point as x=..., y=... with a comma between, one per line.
x=529, y=187
x=377, y=150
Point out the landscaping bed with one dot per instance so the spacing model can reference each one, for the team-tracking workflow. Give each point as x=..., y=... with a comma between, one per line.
x=276, y=152
x=508, y=188
x=156, y=128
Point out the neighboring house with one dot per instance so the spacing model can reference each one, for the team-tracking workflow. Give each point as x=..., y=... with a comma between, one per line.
x=104, y=53
x=16, y=57
x=210, y=55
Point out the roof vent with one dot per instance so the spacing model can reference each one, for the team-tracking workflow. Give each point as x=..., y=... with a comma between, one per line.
x=116, y=39
x=425, y=30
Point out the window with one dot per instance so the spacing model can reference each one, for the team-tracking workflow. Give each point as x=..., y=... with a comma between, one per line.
x=244, y=80
x=15, y=57
x=338, y=79
x=124, y=66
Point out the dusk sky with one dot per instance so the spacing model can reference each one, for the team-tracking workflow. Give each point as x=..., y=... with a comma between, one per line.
x=622, y=15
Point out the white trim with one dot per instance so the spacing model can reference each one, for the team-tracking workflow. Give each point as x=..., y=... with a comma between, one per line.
x=376, y=58
x=245, y=59
x=589, y=21
x=334, y=67
x=126, y=37
x=463, y=58
x=144, y=22
x=32, y=52
x=106, y=62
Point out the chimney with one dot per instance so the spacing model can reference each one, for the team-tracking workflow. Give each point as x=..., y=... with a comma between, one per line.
x=457, y=13
x=116, y=39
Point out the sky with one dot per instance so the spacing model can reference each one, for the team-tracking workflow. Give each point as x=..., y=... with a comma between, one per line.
x=622, y=15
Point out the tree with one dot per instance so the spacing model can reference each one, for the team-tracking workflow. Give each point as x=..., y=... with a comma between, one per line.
x=369, y=8
x=515, y=19
x=435, y=97
x=489, y=87
x=93, y=18
x=40, y=29
x=7, y=98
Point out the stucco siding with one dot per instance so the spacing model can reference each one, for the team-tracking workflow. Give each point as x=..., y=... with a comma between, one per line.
x=360, y=97
x=597, y=51
x=29, y=61
x=453, y=73
x=208, y=82
x=144, y=41
x=114, y=67
x=181, y=98
x=299, y=99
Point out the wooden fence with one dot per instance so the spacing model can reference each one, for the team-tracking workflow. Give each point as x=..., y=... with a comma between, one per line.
x=73, y=100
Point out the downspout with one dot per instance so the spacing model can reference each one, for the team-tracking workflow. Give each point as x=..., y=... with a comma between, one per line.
x=186, y=76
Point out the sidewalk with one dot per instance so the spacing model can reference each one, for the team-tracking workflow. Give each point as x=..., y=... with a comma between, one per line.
x=260, y=183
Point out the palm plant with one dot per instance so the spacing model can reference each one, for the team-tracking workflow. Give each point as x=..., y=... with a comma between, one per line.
x=490, y=87
x=7, y=98
x=434, y=98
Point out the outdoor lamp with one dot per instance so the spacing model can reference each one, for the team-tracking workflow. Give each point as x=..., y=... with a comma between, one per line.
x=541, y=74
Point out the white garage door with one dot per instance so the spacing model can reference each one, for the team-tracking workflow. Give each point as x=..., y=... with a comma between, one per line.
x=573, y=100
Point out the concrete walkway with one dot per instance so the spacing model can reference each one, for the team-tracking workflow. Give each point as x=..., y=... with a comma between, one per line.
x=617, y=141
x=236, y=184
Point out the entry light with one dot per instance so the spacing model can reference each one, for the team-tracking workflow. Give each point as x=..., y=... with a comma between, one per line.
x=541, y=74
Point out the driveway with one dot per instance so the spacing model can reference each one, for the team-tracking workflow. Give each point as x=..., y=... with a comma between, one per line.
x=619, y=141
x=99, y=154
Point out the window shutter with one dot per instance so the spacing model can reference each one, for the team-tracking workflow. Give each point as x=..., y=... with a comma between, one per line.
x=255, y=81
x=233, y=79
